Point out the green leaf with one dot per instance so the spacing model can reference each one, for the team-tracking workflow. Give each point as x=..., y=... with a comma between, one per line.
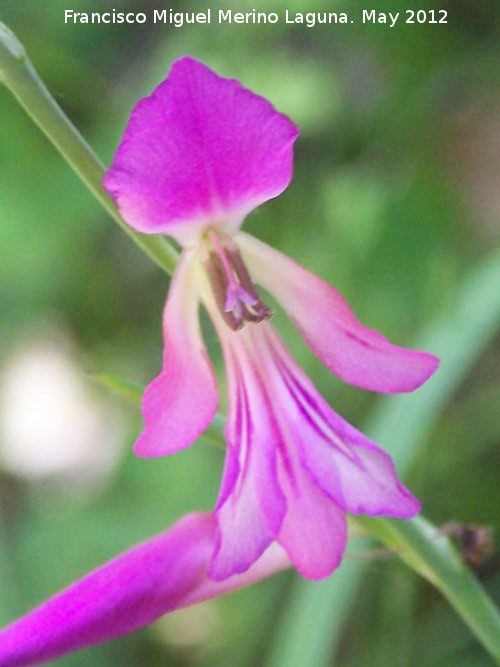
x=130, y=391
x=433, y=555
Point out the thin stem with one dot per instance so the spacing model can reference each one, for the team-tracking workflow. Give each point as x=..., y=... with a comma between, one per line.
x=433, y=555
x=19, y=75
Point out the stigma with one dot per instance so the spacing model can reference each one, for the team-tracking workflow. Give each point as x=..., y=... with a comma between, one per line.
x=230, y=282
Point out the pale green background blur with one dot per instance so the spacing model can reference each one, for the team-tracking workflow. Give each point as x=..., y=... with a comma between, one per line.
x=395, y=197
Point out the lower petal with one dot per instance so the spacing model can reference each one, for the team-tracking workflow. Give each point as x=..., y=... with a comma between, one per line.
x=251, y=506
x=181, y=402
x=363, y=482
x=346, y=465
x=358, y=355
x=243, y=534
x=314, y=532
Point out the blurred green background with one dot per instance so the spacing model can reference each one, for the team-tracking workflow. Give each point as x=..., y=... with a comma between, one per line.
x=395, y=199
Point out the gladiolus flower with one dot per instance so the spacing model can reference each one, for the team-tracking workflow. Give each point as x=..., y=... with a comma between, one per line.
x=196, y=157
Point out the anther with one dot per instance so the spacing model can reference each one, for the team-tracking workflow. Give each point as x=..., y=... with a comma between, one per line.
x=232, y=286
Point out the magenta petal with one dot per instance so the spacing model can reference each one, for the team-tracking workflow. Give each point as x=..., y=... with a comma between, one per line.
x=342, y=462
x=294, y=467
x=314, y=532
x=116, y=599
x=358, y=355
x=251, y=506
x=356, y=474
x=166, y=573
x=201, y=149
x=181, y=402
x=364, y=482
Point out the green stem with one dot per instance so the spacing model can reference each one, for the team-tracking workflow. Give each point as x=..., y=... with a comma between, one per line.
x=433, y=555
x=19, y=75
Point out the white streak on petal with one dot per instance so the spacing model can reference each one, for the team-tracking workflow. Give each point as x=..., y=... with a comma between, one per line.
x=251, y=506
x=346, y=465
x=294, y=467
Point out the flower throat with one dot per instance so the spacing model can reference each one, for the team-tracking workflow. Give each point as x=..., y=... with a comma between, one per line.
x=232, y=286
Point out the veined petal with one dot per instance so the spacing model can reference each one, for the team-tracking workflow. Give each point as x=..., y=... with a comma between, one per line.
x=294, y=467
x=165, y=573
x=358, y=355
x=181, y=402
x=251, y=506
x=200, y=150
x=342, y=462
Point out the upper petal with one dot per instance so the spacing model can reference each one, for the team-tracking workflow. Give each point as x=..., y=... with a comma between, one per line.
x=358, y=355
x=201, y=149
x=165, y=573
x=181, y=402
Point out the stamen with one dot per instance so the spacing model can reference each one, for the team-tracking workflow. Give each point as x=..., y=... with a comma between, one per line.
x=232, y=286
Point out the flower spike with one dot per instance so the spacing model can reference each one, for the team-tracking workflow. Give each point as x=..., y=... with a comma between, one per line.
x=196, y=157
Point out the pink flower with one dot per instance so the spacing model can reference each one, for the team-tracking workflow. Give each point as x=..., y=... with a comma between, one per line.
x=196, y=157
x=166, y=573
